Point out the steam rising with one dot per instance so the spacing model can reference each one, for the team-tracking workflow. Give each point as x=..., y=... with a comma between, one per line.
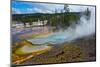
x=84, y=28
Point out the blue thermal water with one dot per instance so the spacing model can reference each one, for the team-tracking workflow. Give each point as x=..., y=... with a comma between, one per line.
x=56, y=38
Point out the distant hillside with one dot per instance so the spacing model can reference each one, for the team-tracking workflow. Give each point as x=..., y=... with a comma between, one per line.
x=15, y=16
x=56, y=19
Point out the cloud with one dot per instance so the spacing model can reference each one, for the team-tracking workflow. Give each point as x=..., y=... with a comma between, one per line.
x=79, y=8
x=50, y=7
x=40, y=10
x=16, y=11
x=30, y=7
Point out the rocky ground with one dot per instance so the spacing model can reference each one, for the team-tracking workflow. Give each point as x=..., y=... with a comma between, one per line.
x=83, y=49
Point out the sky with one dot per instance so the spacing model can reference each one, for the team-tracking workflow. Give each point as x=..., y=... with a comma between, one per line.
x=19, y=7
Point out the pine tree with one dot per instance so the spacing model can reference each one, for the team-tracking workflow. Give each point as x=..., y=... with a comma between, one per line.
x=66, y=8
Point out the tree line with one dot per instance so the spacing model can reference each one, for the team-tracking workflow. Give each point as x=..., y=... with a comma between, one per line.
x=62, y=19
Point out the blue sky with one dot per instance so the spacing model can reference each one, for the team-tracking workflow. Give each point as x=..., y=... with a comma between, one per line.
x=19, y=7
